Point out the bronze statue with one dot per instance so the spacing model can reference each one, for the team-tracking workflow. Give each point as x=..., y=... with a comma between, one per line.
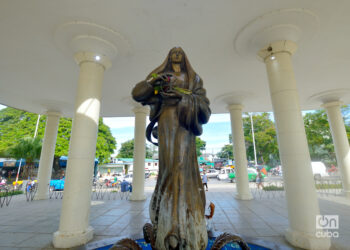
x=179, y=105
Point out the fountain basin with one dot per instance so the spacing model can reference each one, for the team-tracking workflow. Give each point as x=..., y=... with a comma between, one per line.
x=254, y=243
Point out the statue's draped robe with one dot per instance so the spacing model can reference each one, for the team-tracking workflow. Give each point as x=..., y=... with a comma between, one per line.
x=178, y=202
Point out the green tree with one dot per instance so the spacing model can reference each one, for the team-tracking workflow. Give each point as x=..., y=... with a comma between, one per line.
x=319, y=137
x=28, y=149
x=106, y=143
x=226, y=152
x=200, y=146
x=265, y=139
x=127, y=150
x=17, y=124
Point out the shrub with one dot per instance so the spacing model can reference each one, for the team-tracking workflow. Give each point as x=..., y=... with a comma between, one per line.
x=273, y=188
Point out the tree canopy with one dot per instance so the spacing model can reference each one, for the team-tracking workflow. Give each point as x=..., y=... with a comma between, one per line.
x=17, y=124
x=29, y=149
x=226, y=152
x=200, y=146
x=319, y=136
x=265, y=139
x=127, y=150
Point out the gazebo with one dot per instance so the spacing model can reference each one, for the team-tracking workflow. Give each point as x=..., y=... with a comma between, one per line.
x=81, y=59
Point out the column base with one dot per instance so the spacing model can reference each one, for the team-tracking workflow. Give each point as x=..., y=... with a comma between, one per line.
x=137, y=197
x=347, y=193
x=41, y=197
x=244, y=197
x=307, y=241
x=72, y=239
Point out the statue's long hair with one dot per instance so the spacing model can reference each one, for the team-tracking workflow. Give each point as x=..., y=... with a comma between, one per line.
x=186, y=67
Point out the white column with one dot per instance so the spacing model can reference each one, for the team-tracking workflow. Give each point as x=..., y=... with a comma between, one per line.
x=341, y=142
x=74, y=226
x=47, y=155
x=294, y=153
x=138, y=181
x=242, y=182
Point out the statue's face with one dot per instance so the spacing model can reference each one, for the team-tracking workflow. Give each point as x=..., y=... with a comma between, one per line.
x=177, y=55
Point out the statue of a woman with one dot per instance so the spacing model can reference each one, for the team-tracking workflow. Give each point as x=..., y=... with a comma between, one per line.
x=179, y=105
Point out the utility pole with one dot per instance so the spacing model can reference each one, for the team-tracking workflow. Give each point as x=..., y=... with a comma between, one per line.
x=252, y=124
x=36, y=127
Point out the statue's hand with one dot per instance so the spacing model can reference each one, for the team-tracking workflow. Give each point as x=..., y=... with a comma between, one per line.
x=170, y=98
x=164, y=77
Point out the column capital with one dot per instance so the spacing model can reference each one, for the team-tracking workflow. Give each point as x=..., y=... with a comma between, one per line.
x=53, y=113
x=81, y=57
x=142, y=109
x=235, y=107
x=332, y=104
x=273, y=48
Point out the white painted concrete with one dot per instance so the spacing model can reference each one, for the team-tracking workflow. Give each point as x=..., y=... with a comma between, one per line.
x=243, y=191
x=138, y=182
x=74, y=226
x=47, y=155
x=341, y=142
x=294, y=153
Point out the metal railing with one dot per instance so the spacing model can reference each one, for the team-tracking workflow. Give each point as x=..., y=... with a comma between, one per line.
x=6, y=194
x=100, y=191
x=272, y=189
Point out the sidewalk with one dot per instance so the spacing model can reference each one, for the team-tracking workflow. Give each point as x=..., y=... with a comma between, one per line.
x=30, y=225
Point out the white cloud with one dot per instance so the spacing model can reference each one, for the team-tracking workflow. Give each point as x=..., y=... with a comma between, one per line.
x=119, y=122
x=214, y=118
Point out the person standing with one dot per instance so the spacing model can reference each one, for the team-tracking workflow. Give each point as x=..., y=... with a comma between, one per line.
x=205, y=180
x=259, y=180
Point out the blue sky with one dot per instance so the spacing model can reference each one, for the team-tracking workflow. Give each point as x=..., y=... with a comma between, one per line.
x=215, y=132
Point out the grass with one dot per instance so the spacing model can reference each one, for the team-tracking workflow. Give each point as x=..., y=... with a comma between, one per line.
x=16, y=192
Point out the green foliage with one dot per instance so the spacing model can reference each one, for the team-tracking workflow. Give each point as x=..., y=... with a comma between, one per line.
x=265, y=139
x=273, y=188
x=329, y=186
x=29, y=149
x=105, y=143
x=10, y=193
x=127, y=150
x=319, y=137
x=63, y=137
x=17, y=124
x=226, y=152
x=200, y=146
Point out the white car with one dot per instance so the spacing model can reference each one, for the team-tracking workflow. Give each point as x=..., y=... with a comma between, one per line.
x=223, y=175
x=212, y=173
x=128, y=178
x=319, y=169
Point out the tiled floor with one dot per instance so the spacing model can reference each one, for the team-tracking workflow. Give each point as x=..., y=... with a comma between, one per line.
x=30, y=225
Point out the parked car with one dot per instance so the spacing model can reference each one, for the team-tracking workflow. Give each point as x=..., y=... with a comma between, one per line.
x=319, y=169
x=252, y=174
x=128, y=178
x=224, y=172
x=212, y=173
